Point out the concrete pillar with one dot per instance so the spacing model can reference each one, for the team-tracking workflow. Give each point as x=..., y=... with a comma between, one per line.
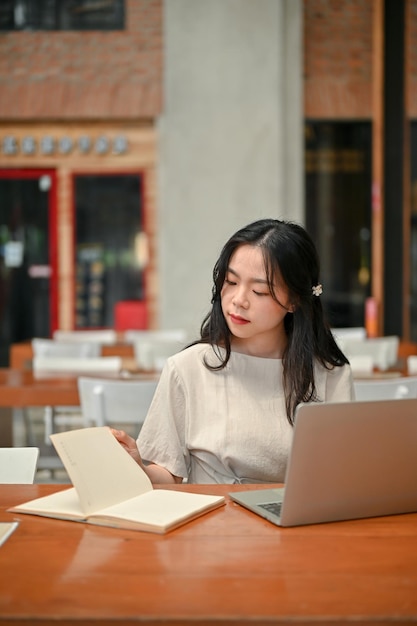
x=230, y=137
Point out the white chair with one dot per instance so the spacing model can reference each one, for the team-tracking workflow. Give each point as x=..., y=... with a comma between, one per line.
x=49, y=357
x=356, y=332
x=153, y=347
x=18, y=465
x=393, y=347
x=69, y=417
x=176, y=334
x=47, y=367
x=362, y=365
x=114, y=402
x=101, y=336
x=383, y=350
x=151, y=353
x=392, y=389
x=58, y=348
x=412, y=364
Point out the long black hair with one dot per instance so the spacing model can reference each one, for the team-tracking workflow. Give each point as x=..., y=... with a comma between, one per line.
x=289, y=251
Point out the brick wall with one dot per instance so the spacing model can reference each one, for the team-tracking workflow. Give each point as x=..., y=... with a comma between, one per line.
x=85, y=75
x=338, y=59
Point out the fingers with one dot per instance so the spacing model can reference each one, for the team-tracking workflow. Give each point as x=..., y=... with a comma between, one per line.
x=120, y=435
x=128, y=443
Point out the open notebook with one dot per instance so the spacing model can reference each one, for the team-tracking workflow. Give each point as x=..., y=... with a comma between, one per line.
x=348, y=460
x=110, y=489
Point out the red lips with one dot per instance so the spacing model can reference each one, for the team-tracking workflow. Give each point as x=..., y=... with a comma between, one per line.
x=236, y=319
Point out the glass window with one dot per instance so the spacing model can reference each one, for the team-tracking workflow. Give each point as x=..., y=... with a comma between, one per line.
x=111, y=250
x=338, y=214
x=62, y=14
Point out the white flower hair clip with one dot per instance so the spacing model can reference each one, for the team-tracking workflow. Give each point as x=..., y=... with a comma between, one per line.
x=317, y=290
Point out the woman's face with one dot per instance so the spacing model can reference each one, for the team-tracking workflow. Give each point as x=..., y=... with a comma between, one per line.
x=254, y=318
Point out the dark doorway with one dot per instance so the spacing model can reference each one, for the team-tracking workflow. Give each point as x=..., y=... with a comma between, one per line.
x=25, y=265
x=338, y=214
x=111, y=246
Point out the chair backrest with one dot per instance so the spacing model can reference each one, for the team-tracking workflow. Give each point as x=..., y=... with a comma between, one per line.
x=18, y=465
x=58, y=348
x=356, y=332
x=109, y=402
x=50, y=366
x=412, y=364
x=175, y=334
x=383, y=350
x=151, y=353
x=392, y=389
x=362, y=365
x=101, y=336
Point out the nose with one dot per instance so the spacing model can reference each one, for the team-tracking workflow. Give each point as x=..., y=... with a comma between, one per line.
x=240, y=298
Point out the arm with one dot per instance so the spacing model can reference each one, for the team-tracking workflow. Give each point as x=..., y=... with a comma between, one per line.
x=156, y=473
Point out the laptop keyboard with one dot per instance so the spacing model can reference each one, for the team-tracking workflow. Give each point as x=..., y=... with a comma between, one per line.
x=272, y=507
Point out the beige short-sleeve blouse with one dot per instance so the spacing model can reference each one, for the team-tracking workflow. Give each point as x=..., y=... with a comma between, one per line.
x=227, y=426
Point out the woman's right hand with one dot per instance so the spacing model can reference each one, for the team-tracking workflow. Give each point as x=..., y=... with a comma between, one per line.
x=129, y=444
x=156, y=473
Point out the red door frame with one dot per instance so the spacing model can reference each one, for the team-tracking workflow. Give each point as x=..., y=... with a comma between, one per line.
x=30, y=174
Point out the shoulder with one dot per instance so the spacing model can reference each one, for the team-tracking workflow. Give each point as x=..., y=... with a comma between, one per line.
x=198, y=352
x=193, y=359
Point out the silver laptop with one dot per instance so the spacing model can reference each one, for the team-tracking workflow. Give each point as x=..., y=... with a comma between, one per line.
x=348, y=460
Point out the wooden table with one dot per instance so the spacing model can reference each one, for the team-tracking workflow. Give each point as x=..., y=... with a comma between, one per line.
x=20, y=388
x=228, y=567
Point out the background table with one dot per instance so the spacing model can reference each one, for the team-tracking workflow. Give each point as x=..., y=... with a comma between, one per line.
x=227, y=567
x=20, y=388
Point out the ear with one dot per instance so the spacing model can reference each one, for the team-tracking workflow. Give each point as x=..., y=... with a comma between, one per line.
x=294, y=304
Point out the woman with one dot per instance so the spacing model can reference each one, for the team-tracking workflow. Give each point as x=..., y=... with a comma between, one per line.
x=225, y=406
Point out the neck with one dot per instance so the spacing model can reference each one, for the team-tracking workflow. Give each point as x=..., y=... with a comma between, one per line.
x=257, y=347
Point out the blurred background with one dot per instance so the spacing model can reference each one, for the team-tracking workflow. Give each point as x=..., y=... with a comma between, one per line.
x=137, y=135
